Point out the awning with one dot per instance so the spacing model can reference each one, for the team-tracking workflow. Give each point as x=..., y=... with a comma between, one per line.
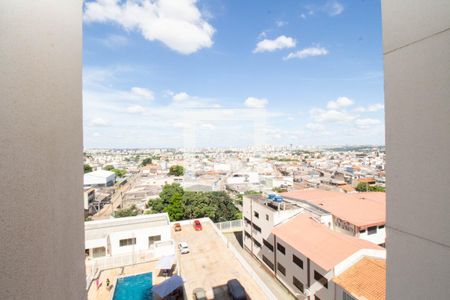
x=166, y=262
x=165, y=288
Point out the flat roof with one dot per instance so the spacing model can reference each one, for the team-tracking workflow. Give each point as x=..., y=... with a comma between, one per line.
x=263, y=200
x=322, y=245
x=365, y=280
x=360, y=209
x=102, y=228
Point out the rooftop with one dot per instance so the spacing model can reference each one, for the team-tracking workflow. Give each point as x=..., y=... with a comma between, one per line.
x=360, y=209
x=325, y=247
x=365, y=280
x=102, y=228
x=263, y=200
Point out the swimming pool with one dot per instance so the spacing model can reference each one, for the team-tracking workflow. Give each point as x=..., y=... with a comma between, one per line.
x=135, y=287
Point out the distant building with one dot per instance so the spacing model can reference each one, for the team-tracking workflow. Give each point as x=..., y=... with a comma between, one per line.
x=99, y=178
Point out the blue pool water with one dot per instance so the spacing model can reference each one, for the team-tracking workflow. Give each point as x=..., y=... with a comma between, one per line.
x=136, y=287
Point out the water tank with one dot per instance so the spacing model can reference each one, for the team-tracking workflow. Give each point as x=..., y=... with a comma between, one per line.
x=271, y=196
x=278, y=199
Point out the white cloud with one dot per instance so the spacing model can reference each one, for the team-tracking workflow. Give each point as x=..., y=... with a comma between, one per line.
x=281, y=23
x=135, y=109
x=99, y=122
x=279, y=43
x=307, y=52
x=178, y=24
x=339, y=102
x=366, y=123
x=331, y=116
x=143, y=92
x=178, y=97
x=375, y=107
x=256, y=102
x=208, y=126
x=333, y=8
x=315, y=127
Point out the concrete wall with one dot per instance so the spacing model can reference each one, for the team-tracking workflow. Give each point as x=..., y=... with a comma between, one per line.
x=41, y=220
x=416, y=38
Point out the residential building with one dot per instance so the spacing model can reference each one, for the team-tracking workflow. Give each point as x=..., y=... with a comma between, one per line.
x=128, y=235
x=260, y=216
x=362, y=215
x=364, y=280
x=307, y=255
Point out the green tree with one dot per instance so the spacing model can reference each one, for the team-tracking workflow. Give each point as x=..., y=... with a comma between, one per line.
x=127, y=212
x=119, y=173
x=108, y=168
x=146, y=161
x=175, y=208
x=176, y=170
x=87, y=168
x=365, y=187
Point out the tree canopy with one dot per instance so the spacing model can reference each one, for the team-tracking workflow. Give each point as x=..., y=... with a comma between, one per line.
x=364, y=187
x=127, y=212
x=87, y=168
x=146, y=161
x=176, y=170
x=180, y=204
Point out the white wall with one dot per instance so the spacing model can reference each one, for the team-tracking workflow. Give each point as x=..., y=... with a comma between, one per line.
x=377, y=238
x=416, y=41
x=141, y=236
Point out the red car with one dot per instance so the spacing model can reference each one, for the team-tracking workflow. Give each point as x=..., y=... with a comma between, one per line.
x=197, y=225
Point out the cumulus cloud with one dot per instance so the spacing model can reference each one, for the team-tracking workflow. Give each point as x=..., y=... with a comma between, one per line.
x=331, y=116
x=366, y=123
x=177, y=24
x=135, y=109
x=253, y=102
x=178, y=97
x=307, y=52
x=99, y=122
x=143, y=92
x=339, y=102
x=279, y=43
x=315, y=127
x=375, y=107
x=330, y=7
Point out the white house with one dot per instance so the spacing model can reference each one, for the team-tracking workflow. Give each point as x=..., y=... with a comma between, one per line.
x=99, y=178
x=128, y=235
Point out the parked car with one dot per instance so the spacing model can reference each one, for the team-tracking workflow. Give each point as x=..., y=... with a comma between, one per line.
x=236, y=290
x=184, y=248
x=199, y=294
x=177, y=227
x=197, y=225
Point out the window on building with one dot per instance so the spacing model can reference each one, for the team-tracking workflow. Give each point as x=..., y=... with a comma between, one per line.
x=267, y=217
x=127, y=242
x=362, y=231
x=281, y=248
x=297, y=283
x=316, y=298
x=372, y=230
x=381, y=227
x=297, y=261
x=256, y=214
x=346, y=296
x=281, y=269
x=153, y=239
x=247, y=220
x=268, y=262
x=258, y=244
x=99, y=252
x=268, y=245
x=257, y=228
x=318, y=277
x=247, y=235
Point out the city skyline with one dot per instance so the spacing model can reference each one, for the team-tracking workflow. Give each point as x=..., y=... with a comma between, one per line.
x=141, y=82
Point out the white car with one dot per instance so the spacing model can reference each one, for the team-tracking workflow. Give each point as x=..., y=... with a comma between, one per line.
x=184, y=248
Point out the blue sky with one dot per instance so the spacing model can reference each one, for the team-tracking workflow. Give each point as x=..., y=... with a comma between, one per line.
x=210, y=73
